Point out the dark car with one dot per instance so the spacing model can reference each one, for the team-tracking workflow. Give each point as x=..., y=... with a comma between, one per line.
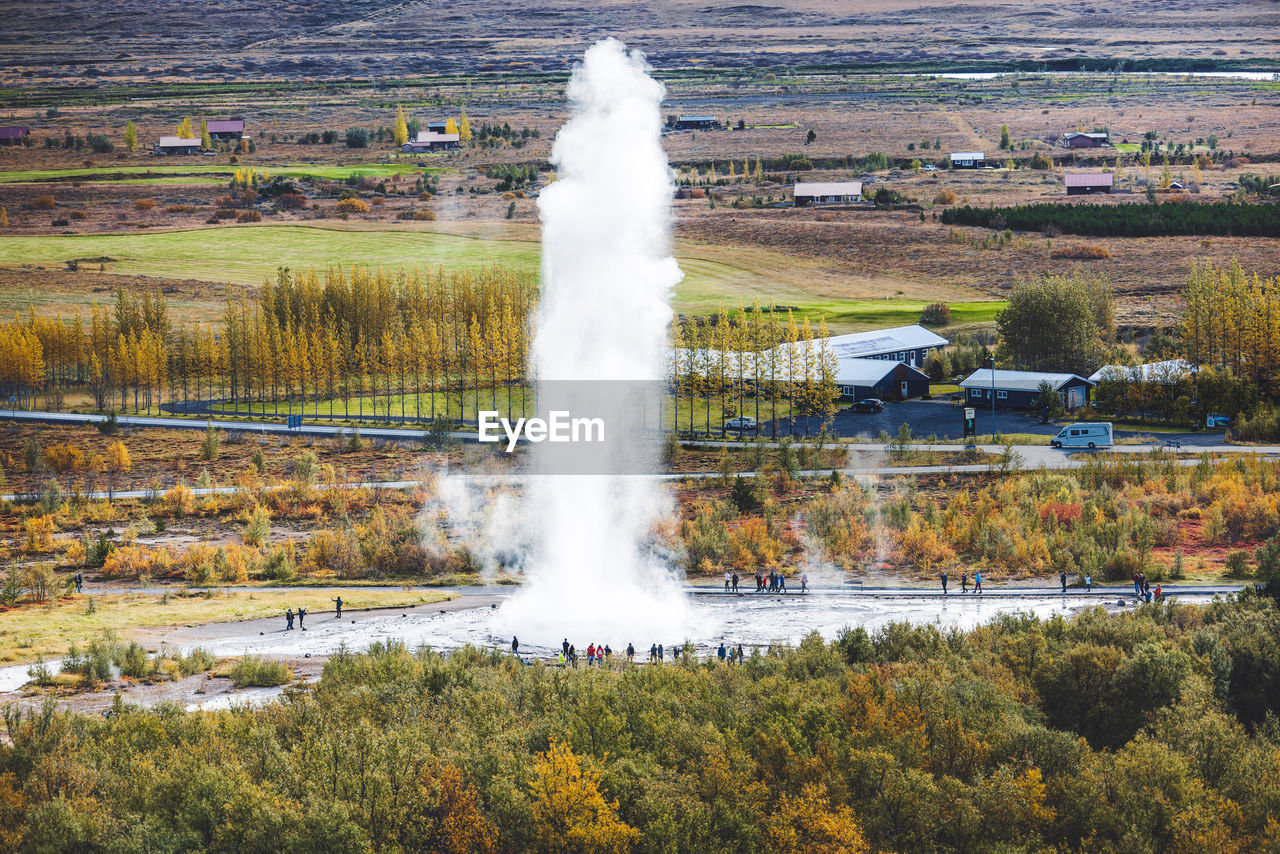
x=870, y=404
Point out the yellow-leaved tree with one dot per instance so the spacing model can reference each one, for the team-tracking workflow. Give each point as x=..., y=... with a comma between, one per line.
x=206, y=141
x=569, y=811
x=130, y=136
x=184, y=129
x=464, y=128
x=401, y=132
x=810, y=824
x=450, y=126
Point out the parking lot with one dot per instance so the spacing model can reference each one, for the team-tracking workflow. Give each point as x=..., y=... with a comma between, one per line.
x=944, y=419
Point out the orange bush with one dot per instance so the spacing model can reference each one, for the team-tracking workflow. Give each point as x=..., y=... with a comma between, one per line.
x=144, y=204
x=352, y=206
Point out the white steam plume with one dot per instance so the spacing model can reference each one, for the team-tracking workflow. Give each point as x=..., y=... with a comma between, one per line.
x=595, y=573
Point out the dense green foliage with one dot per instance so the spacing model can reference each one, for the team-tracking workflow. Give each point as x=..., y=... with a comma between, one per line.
x=1057, y=323
x=1130, y=220
x=1147, y=731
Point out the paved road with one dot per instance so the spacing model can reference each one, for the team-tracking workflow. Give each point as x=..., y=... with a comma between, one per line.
x=927, y=418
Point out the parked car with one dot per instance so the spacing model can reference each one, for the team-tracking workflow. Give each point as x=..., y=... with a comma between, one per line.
x=740, y=424
x=929, y=167
x=870, y=404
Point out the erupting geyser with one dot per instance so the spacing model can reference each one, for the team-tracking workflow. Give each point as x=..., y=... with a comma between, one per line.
x=595, y=572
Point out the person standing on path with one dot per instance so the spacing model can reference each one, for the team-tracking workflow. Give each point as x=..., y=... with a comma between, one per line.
x=964, y=582
x=804, y=582
x=735, y=582
x=338, y=609
x=977, y=582
x=782, y=583
x=728, y=580
x=79, y=580
x=564, y=647
x=302, y=612
x=944, y=584
x=1062, y=576
x=739, y=653
x=288, y=619
x=515, y=645
x=1088, y=584
x=631, y=653
x=722, y=653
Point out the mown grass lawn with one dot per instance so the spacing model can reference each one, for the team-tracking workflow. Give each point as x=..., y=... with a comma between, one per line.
x=249, y=254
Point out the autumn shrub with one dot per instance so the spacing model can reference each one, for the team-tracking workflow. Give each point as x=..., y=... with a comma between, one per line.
x=64, y=458
x=945, y=197
x=143, y=204
x=248, y=216
x=350, y=206
x=129, y=561
x=44, y=203
x=180, y=501
x=38, y=534
x=936, y=314
x=292, y=201
x=335, y=551
x=76, y=216
x=180, y=209
x=254, y=671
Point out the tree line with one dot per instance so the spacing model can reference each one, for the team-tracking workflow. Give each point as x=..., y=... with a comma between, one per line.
x=408, y=345
x=1127, y=220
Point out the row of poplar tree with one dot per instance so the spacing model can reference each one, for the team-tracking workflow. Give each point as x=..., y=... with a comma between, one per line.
x=388, y=345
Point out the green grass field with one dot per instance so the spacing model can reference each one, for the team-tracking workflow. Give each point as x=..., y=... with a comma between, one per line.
x=207, y=173
x=248, y=254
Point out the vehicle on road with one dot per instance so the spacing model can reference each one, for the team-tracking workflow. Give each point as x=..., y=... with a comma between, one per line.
x=740, y=424
x=870, y=404
x=1095, y=434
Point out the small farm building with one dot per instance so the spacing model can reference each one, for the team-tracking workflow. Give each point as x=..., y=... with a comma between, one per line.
x=1075, y=139
x=968, y=159
x=226, y=128
x=13, y=135
x=431, y=141
x=833, y=193
x=1085, y=183
x=696, y=123
x=176, y=145
x=1021, y=389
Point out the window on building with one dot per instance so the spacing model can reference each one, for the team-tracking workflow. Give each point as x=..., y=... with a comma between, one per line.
x=1001, y=395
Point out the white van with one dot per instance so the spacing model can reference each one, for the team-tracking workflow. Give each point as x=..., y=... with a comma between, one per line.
x=1096, y=434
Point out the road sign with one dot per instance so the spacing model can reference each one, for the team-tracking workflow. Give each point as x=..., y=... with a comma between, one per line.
x=970, y=423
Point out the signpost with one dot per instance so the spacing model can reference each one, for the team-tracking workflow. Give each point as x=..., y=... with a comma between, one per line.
x=970, y=429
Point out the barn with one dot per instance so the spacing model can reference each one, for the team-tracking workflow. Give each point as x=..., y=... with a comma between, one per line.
x=226, y=128
x=1021, y=389
x=1086, y=183
x=968, y=159
x=13, y=135
x=1075, y=139
x=438, y=127
x=431, y=141
x=696, y=123
x=858, y=379
x=831, y=193
x=176, y=145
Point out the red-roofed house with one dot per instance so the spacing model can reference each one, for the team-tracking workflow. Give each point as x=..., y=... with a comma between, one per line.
x=13, y=135
x=1084, y=183
x=226, y=128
